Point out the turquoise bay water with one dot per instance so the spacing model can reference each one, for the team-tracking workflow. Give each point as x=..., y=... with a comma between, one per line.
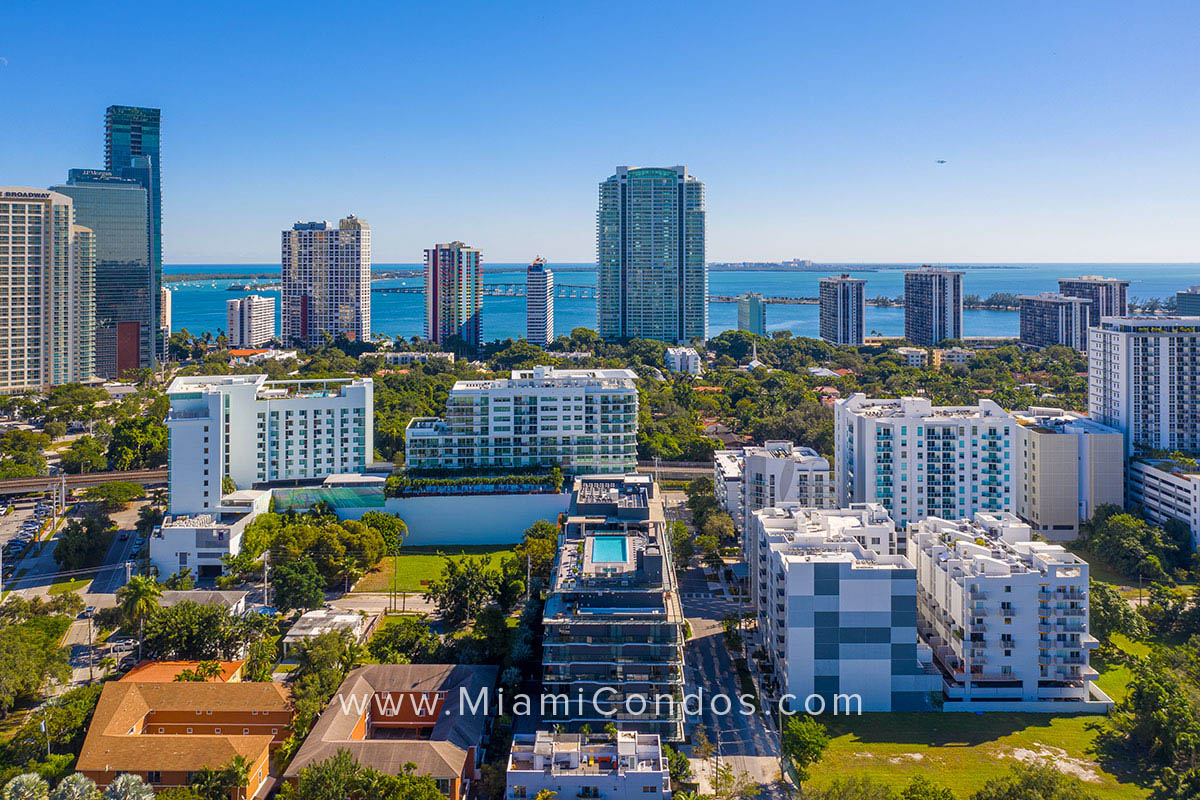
x=200, y=306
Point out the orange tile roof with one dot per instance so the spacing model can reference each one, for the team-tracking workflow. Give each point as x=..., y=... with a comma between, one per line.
x=243, y=353
x=114, y=742
x=166, y=671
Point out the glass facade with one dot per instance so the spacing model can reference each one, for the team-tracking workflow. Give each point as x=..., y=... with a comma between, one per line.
x=117, y=211
x=652, y=274
x=132, y=149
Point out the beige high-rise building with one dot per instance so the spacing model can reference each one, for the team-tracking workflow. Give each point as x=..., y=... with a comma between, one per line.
x=326, y=282
x=47, y=292
x=1068, y=465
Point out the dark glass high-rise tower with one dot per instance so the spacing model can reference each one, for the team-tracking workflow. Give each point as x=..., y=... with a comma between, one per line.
x=117, y=211
x=132, y=149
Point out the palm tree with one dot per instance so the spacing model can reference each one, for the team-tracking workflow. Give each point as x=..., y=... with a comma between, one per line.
x=29, y=786
x=139, y=599
x=75, y=786
x=128, y=786
x=107, y=664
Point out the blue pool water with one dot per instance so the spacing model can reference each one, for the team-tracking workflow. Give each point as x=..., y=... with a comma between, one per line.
x=608, y=549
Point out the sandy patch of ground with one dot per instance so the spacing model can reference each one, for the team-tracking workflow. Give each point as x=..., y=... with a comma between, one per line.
x=1055, y=757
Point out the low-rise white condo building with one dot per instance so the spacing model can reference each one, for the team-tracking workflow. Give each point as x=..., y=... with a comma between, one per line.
x=1166, y=489
x=836, y=613
x=728, y=467
x=1144, y=380
x=250, y=320
x=630, y=766
x=253, y=431
x=406, y=358
x=683, y=359
x=919, y=460
x=775, y=473
x=913, y=356
x=198, y=542
x=582, y=420
x=1068, y=466
x=1006, y=617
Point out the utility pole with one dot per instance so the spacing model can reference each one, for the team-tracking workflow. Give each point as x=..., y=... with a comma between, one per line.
x=266, y=578
x=91, y=653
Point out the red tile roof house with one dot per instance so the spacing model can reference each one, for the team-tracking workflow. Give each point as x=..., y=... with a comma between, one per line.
x=164, y=732
x=389, y=715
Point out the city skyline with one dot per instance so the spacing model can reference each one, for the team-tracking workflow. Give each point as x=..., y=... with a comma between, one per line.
x=1081, y=152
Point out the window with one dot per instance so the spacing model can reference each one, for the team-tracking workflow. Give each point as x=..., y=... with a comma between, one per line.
x=651, y=789
x=153, y=776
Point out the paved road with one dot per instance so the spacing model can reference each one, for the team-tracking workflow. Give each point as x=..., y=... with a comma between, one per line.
x=746, y=742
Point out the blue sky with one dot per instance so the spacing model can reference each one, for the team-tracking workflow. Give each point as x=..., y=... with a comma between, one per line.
x=1071, y=131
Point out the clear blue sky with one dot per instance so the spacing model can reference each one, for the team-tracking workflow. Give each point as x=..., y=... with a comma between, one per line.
x=1071, y=131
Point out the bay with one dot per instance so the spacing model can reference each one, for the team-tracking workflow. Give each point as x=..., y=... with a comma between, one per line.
x=199, y=306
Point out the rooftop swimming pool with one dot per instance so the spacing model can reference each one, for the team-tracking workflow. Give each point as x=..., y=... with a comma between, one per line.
x=609, y=549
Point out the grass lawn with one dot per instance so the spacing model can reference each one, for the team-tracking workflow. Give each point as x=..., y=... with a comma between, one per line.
x=418, y=565
x=69, y=585
x=962, y=751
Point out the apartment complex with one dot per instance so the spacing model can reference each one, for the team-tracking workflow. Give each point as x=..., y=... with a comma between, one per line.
x=454, y=294
x=752, y=313
x=388, y=715
x=613, y=619
x=628, y=766
x=254, y=431
x=582, y=420
x=1144, y=380
x=1068, y=466
x=1050, y=318
x=326, y=281
x=1165, y=489
x=117, y=209
x=1107, y=295
x=842, y=309
x=781, y=472
x=951, y=355
x=166, y=732
x=919, y=460
x=913, y=356
x=1006, y=617
x=728, y=469
x=250, y=320
x=47, y=303
x=932, y=306
x=837, y=614
x=133, y=149
x=1187, y=302
x=539, y=303
x=682, y=359
x=652, y=279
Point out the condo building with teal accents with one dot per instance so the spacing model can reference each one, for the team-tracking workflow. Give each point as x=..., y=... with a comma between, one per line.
x=652, y=275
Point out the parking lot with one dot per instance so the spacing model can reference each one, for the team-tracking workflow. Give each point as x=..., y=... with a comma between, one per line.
x=19, y=527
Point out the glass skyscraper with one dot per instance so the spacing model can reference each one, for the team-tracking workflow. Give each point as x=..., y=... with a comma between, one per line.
x=132, y=149
x=652, y=273
x=117, y=211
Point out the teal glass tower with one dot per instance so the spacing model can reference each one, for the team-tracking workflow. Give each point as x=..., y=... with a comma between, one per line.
x=132, y=149
x=651, y=268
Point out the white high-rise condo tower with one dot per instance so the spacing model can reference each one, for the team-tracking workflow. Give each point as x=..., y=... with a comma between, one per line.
x=652, y=274
x=932, y=306
x=326, y=281
x=539, y=303
x=918, y=459
x=47, y=301
x=251, y=320
x=1144, y=380
x=842, y=309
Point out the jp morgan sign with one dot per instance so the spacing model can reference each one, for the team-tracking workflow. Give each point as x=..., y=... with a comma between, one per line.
x=27, y=195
